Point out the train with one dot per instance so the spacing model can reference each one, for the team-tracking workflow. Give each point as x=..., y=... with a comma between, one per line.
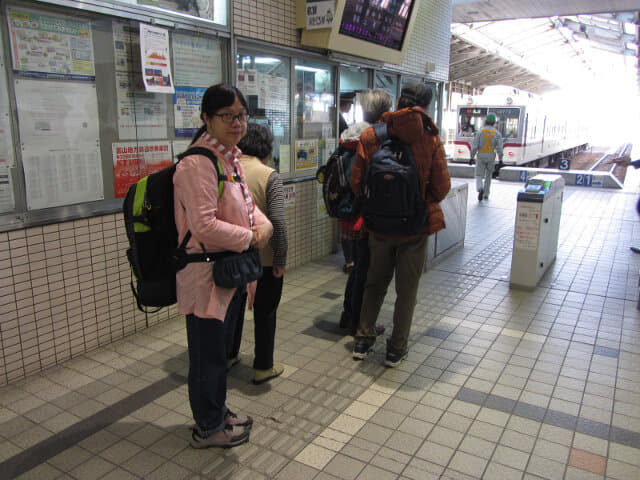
x=533, y=135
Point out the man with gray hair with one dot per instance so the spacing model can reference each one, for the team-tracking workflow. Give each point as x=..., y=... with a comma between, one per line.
x=374, y=103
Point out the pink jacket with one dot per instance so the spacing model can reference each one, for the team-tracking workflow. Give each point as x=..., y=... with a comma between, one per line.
x=218, y=224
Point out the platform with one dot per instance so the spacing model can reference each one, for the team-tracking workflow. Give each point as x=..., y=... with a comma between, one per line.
x=499, y=383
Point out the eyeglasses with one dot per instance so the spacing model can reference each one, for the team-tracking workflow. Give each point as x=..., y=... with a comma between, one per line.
x=230, y=117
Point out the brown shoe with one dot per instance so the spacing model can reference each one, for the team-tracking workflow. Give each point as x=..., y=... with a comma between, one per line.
x=228, y=437
x=261, y=376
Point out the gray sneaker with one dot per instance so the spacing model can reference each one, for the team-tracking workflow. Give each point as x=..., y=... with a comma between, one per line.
x=360, y=350
x=228, y=437
x=394, y=357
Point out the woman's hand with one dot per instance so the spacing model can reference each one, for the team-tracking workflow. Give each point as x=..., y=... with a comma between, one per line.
x=261, y=235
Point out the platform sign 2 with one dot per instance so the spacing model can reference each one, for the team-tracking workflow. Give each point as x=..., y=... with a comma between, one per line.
x=584, y=180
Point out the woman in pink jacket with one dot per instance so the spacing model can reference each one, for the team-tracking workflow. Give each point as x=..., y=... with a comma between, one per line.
x=229, y=221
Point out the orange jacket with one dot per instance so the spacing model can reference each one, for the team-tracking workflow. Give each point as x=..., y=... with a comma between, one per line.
x=414, y=127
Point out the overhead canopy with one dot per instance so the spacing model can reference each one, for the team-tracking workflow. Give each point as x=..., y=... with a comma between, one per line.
x=539, y=46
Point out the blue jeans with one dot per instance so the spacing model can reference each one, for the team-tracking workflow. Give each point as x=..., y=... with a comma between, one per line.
x=207, y=373
x=355, y=284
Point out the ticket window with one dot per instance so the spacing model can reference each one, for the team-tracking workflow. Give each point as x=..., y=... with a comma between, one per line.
x=315, y=116
x=264, y=80
x=353, y=81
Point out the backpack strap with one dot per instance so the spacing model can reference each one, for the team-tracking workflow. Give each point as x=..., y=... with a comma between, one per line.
x=222, y=177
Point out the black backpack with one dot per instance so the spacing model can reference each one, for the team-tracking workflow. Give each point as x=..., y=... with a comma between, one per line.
x=392, y=200
x=151, y=229
x=339, y=199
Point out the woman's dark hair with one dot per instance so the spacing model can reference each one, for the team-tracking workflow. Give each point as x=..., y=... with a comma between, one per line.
x=215, y=98
x=415, y=94
x=257, y=142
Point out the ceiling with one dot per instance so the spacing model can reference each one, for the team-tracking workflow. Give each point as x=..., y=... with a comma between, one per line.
x=543, y=45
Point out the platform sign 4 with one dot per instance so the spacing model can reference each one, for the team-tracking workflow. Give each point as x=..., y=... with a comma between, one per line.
x=584, y=180
x=523, y=176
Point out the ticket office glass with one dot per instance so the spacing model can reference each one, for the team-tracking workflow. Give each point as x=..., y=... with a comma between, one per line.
x=264, y=80
x=315, y=115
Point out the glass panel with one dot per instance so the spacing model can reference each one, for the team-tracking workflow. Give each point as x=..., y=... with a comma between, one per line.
x=215, y=10
x=315, y=105
x=507, y=121
x=389, y=83
x=264, y=80
x=352, y=81
x=470, y=119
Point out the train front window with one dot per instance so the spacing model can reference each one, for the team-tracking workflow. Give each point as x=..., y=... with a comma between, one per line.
x=507, y=121
x=470, y=120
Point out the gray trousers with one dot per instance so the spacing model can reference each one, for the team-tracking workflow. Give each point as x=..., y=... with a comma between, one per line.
x=484, y=169
x=406, y=260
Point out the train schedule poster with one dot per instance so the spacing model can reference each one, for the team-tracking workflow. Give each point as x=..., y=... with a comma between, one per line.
x=50, y=46
x=156, y=64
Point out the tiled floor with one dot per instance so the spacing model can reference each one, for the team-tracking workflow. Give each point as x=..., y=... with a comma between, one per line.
x=499, y=383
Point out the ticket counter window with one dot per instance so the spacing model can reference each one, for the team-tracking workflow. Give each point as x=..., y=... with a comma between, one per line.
x=315, y=104
x=264, y=80
x=353, y=81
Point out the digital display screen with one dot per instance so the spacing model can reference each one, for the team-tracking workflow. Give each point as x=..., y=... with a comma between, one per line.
x=383, y=22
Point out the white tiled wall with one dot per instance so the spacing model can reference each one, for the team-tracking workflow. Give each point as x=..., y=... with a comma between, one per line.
x=64, y=288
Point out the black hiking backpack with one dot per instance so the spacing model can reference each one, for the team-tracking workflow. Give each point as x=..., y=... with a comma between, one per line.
x=338, y=197
x=392, y=200
x=151, y=229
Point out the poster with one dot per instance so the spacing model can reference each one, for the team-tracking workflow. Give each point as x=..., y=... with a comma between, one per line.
x=48, y=46
x=273, y=93
x=141, y=115
x=306, y=154
x=126, y=48
x=247, y=82
x=197, y=60
x=154, y=53
x=55, y=177
x=135, y=160
x=289, y=194
x=186, y=110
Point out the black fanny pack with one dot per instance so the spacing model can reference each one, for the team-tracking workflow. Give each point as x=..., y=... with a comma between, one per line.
x=232, y=269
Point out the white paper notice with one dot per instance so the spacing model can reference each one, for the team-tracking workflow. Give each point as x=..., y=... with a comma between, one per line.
x=247, y=82
x=141, y=115
x=156, y=65
x=61, y=177
x=197, y=60
x=6, y=190
x=50, y=46
x=126, y=48
x=57, y=115
x=60, y=143
x=527, y=225
x=285, y=159
x=186, y=110
x=274, y=94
